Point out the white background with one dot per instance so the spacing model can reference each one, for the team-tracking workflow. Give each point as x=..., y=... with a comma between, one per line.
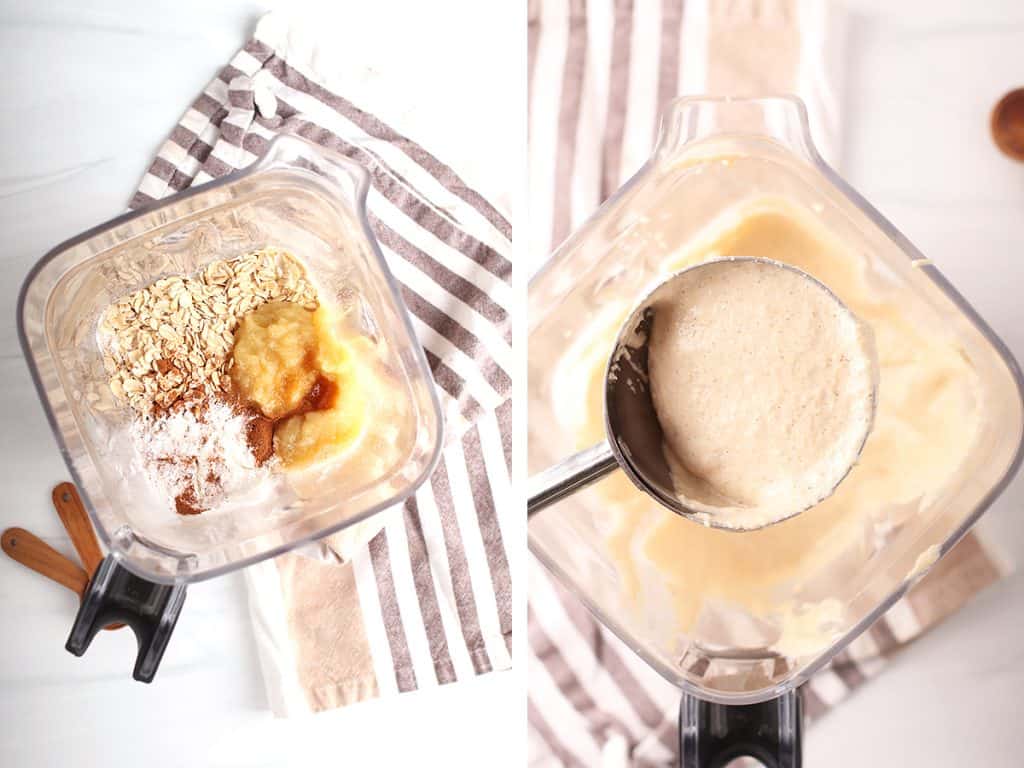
x=91, y=89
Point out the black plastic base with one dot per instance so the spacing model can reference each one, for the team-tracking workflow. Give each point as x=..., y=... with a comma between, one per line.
x=118, y=595
x=713, y=735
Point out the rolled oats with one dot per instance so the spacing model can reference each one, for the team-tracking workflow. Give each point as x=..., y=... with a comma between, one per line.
x=175, y=336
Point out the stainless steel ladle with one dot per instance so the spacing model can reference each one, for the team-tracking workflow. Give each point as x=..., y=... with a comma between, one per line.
x=634, y=441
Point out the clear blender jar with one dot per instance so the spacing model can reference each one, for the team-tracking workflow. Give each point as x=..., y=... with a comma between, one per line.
x=299, y=198
x=738, y=620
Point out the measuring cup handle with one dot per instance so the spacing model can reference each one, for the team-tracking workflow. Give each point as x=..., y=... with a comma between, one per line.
x=713, y=735
x=564, y=479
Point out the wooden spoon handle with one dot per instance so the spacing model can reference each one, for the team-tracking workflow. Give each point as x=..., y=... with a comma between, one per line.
x=34, y=553
x=79, y=527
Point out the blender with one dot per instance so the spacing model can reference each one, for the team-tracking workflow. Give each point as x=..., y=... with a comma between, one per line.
x=300, y=198
x=737, y=620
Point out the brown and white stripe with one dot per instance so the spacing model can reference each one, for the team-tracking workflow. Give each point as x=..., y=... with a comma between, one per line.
x=433, y=586
x=600, y=72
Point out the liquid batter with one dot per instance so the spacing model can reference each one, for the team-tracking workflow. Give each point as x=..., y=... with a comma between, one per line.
x=672, y=570
x=763, y=383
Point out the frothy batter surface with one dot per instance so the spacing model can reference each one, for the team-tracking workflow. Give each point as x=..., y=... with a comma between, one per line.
x=763, y=383
x=924, y=427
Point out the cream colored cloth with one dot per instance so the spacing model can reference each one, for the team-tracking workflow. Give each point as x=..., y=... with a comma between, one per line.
x=312, y=641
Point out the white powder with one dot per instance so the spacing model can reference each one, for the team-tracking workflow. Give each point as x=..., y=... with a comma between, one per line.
x=205, y=457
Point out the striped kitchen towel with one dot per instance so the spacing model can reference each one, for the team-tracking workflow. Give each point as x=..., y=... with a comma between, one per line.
x=600, y=73
x=420, y=595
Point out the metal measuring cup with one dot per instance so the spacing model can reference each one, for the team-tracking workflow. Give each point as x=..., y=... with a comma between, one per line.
x=634, y=441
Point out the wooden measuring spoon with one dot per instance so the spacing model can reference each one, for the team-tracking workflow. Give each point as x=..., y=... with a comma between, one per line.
x=77, y=524
x=32, y=552
x=79, y=527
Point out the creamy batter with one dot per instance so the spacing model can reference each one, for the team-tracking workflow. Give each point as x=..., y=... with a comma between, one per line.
x=924, y=428
x=763, y=383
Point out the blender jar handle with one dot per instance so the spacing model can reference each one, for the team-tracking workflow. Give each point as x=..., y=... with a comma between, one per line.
x=713, y=735
x=115, y=594
x=565, y=478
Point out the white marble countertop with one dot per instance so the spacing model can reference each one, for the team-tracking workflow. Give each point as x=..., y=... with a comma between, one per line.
x=90, y=91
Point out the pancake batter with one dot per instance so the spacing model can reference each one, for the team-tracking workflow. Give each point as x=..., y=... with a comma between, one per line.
x=763, y=383
x=924, y=428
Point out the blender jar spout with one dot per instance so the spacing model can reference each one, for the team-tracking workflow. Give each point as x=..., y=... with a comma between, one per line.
x=691, y=119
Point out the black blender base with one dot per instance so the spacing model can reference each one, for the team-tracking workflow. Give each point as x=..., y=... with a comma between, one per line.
x=115, y=594
x=713, y=735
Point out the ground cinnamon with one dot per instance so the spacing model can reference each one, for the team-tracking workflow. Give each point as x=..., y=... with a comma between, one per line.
x=259, y=431
x=259, y=434
x=185, y=503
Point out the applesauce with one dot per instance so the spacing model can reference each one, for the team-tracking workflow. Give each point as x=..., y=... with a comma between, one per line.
x=289, y=364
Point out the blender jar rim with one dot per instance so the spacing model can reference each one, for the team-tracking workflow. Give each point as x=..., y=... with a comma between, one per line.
x=277, y=146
